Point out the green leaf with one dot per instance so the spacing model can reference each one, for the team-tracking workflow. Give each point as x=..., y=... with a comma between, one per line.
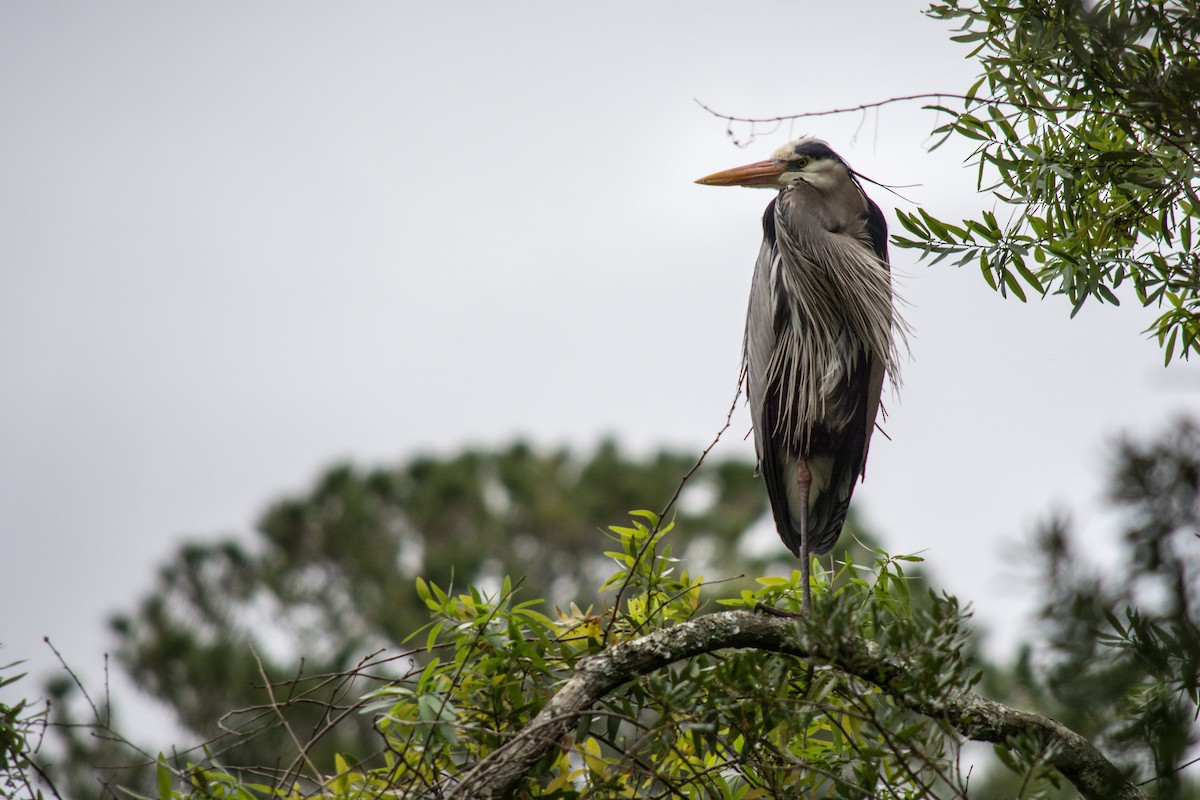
x=431, y=640
x=936, y=226
x=912, y=224
x=986, y=232
x=1027, y=274
x=986, y=268
x=650, y=516
x=162, y=774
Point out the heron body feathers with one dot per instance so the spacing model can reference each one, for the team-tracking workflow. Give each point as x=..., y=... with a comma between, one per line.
x=821, y=334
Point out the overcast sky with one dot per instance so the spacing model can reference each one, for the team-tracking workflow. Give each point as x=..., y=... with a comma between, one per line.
x=239, y=242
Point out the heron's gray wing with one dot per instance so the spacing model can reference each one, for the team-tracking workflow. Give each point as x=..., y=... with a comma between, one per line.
x=877, y=228
x=761, y=335
x=834, y=457
x=763, y=320
x=840, y=455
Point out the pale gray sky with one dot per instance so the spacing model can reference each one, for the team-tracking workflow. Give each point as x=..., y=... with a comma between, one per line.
x=239, y=242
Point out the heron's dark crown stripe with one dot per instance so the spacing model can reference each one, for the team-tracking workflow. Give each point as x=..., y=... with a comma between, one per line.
x=817, y=151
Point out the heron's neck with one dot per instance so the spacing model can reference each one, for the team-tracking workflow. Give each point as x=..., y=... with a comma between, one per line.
x=829, y=208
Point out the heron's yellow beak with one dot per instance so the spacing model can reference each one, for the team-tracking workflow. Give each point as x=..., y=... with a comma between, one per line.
x=760, y=173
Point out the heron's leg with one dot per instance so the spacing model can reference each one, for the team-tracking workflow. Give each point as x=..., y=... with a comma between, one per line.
x=804, y=483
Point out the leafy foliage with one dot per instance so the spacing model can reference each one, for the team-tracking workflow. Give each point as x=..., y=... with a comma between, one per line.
x=737, y=724
x=21, y=728
x=1088, y=135
x=322, y=603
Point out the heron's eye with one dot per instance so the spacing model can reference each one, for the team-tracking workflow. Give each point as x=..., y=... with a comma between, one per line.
x=801, y=162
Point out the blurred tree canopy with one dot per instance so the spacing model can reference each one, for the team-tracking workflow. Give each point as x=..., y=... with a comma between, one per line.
x=1117, y=652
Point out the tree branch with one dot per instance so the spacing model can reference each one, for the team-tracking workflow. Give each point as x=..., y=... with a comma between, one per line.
x=971, y=714
x=829, y=112
x=995, y=102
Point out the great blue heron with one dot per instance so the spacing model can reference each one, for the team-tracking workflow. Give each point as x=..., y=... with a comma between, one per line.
x=820, y=335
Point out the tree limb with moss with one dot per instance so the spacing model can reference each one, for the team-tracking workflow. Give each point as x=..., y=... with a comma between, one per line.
x=972, y=715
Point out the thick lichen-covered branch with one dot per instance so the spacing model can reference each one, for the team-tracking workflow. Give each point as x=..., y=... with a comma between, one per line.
x=971, y=714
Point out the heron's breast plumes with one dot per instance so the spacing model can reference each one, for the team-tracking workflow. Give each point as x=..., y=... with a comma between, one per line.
x=835, y=314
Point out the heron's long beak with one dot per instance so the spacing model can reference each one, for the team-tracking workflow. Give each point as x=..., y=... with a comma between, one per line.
x=760, y=173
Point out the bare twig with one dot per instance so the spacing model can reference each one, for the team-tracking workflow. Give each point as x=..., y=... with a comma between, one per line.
x=829, y=112
x=1183, y=147
x=674, y=497
x=699, y=461
x=316, y=773
x=75, y=679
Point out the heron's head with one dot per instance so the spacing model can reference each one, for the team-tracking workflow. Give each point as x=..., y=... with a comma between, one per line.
x=807, y=160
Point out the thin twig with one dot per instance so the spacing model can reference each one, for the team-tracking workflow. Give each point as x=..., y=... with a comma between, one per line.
x=670, y=503
x=993, y=102
x=74, y=679
x=316, y=773
x=833, y=111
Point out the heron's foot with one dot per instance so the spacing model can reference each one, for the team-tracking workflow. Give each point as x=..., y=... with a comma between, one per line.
x=763, y=608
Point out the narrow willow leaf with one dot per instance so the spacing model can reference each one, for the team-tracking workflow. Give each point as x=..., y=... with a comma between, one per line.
x=1011, y=282
x=1028, y=275
x=162, y=775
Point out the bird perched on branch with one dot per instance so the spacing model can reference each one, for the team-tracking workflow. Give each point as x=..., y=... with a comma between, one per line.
x=821, y=333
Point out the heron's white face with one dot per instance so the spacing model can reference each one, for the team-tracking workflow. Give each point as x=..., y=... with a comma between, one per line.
x=809, y=161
